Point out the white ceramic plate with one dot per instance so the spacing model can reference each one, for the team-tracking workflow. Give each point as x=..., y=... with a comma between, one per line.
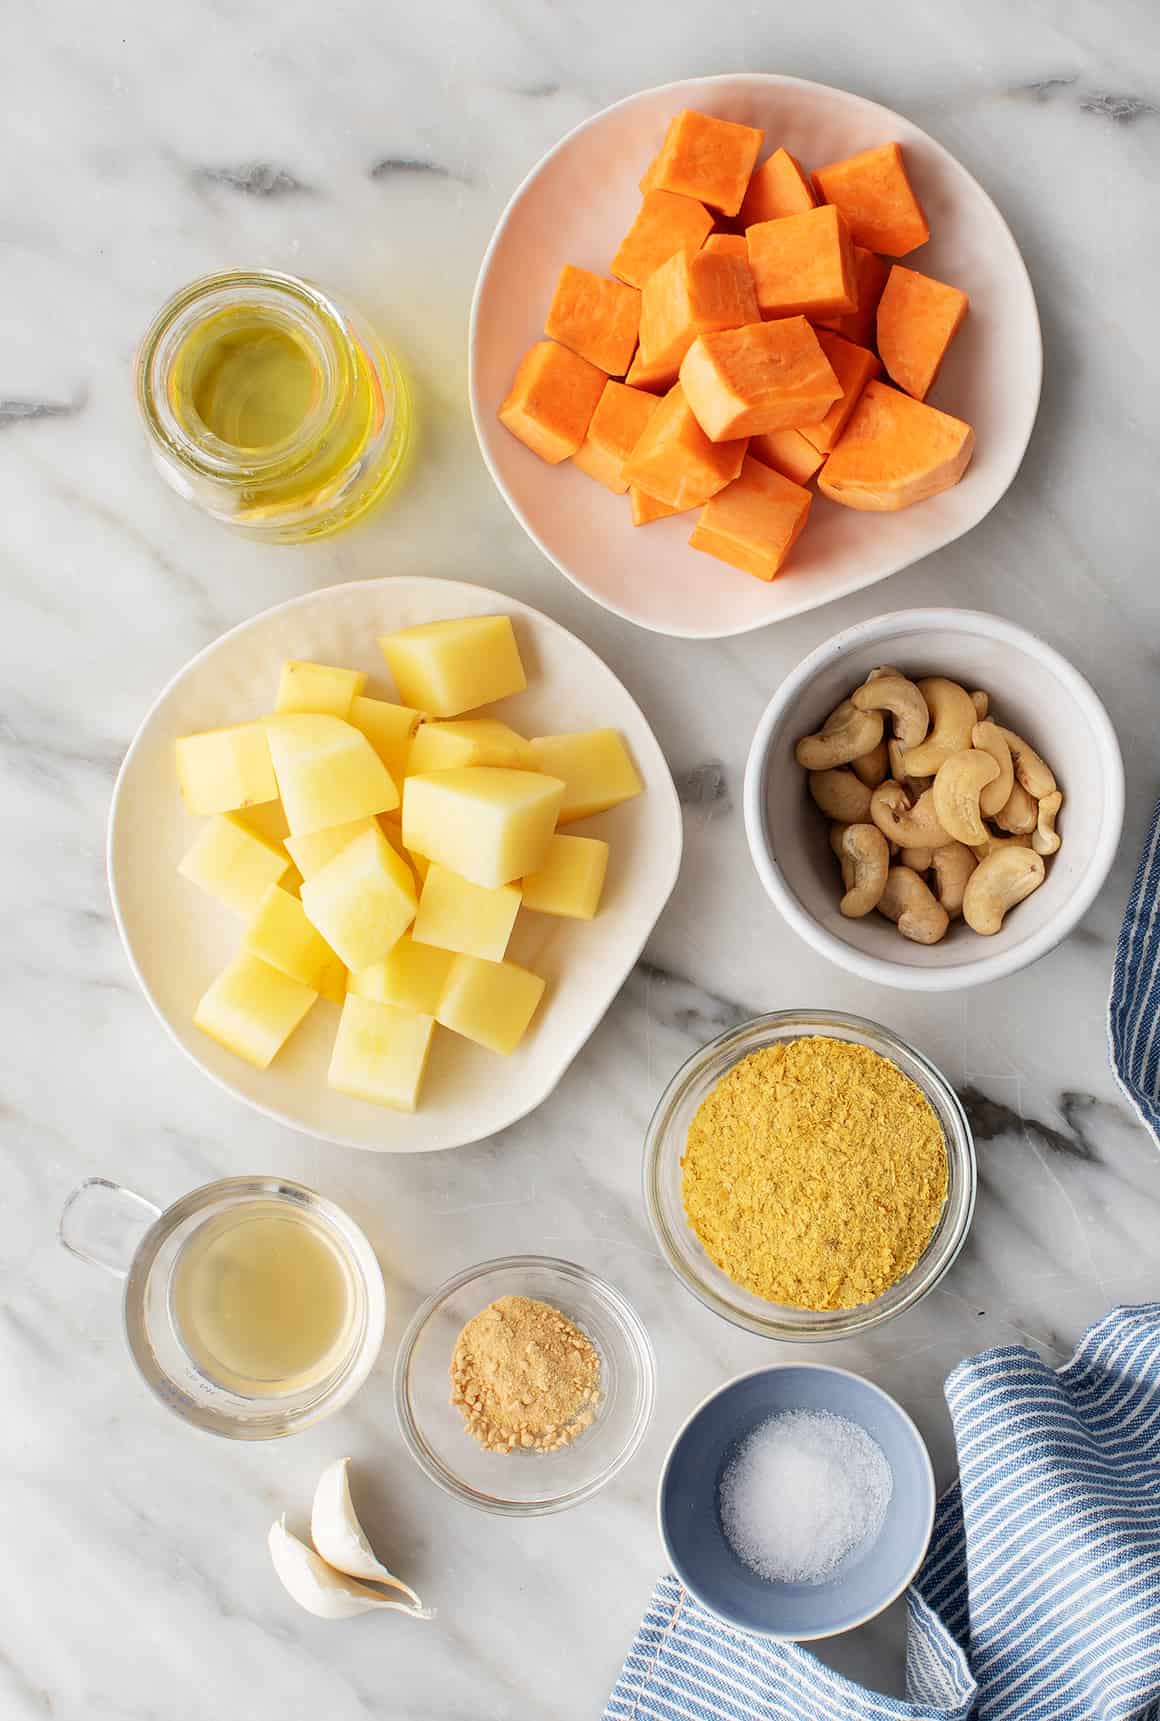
x=177, y=938
x=576, y=205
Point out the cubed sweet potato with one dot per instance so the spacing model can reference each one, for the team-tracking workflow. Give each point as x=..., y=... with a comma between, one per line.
x=614, y=431
x=706, y=158
x=766, y=376
x=655, y=378
x=895, y=451
x=803, y=263
x=645, y=509
x=875, y=195
x=788, y=452
x=853, y=366
x=596, y=317
x=688, y=296
x=754, y=522
x=552, y=400
x=727, y=245
x=675, y=462
x=918, y=318
x=870, y=272
x=664, y=223
x=779, y=187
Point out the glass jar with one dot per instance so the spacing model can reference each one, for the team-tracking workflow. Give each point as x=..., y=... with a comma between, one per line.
x=271, y=406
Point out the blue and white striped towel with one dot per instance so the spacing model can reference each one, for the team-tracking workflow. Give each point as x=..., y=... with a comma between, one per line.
x=1040, y=1596
x=1134, y=1008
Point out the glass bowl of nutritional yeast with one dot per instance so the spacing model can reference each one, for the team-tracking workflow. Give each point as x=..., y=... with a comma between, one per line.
x=795, y=1180
x=533, y=1303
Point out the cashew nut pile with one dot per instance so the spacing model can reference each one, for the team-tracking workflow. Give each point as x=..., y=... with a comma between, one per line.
x=936, y=810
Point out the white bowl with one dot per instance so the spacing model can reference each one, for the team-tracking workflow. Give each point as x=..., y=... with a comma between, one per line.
x=1034, y=691
x=177, y=938
x=576, y=205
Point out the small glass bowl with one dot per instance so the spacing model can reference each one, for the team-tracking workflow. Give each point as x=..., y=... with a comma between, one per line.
x=665, y=1145
x=524, y=1484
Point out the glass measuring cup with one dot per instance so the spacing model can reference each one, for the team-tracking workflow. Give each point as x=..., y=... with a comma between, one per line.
x=152, y=1250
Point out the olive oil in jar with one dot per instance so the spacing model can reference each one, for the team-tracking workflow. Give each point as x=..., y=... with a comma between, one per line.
x=271, y=406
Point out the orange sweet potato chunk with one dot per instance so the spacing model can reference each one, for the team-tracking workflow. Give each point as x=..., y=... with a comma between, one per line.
x=656, y=378
x=779, y=187
x=552, y=400
x=918, y=318
x=674, y=461
x=706, y=158
x=853, y=366
x=753, y=523
x=645, y=509
x=803, y=263
x=875, y=195
x=688, y=296
x=727, y=245
x=870, y=272
x=766, y=376
x=616, y=427
x=895, y=451
x=788, y=452
x=664, y=223
x=596, y=317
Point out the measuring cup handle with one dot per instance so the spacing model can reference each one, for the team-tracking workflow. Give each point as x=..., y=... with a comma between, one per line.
x=103, y=1222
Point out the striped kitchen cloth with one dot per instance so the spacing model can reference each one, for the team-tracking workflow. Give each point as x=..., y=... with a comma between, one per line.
x=1134, y=1007
x=1039, y=1599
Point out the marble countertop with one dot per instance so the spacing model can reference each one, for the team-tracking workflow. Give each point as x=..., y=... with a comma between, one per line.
x=372, y=146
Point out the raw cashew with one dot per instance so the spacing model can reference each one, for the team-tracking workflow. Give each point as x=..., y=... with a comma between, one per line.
x=988, y=738
x=837, y=832
x=918, y=860
x=958, y=785
x=953, y=866
x=1030, y=770
x=873, y=767
x=997, y=884
x=1019, y=813
x=1045, y=839
x=915, y=911
x=840, y=796
x=894, y=693
x=914, y=786
x=952, y=717
x=913, y=826
x=865, y=857
x=993, y=843
x=981, y=702
x=846, y=734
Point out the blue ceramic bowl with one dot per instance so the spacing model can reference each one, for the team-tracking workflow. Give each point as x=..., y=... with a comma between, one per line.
x=690, y=1522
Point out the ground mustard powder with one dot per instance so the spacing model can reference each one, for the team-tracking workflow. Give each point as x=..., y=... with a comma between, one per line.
x=814, y=1173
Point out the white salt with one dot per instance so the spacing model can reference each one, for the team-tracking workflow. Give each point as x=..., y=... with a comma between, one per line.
x=804, y=1489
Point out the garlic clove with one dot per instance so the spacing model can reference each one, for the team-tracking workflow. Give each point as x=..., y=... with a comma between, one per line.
x=340, y=1538
x=317, y=1587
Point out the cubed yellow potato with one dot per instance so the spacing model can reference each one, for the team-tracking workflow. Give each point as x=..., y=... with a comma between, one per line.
x=489, y=1002
x=420, y=864
x=447, y=667
x=311, y=852
x=410, y=976
x=471, y=741
x=328, y=773
x=571, y=878
x=317, y=687
x=489, y=825
x=251, y=1009
x=281, y=935
x=363, y=900
x=221, y=770
x=232, y=863
x=380, y=1053
x=597, y=769
x=390, y=729
x=458, y=915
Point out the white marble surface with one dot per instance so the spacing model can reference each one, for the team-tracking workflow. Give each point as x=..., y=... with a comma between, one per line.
x=372, y=146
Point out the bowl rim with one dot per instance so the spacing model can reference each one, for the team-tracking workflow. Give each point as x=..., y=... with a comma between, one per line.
x=639, y=1342
x=704, y=1293
x=908, y=1422
x=899, y=973
x=772, y=80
